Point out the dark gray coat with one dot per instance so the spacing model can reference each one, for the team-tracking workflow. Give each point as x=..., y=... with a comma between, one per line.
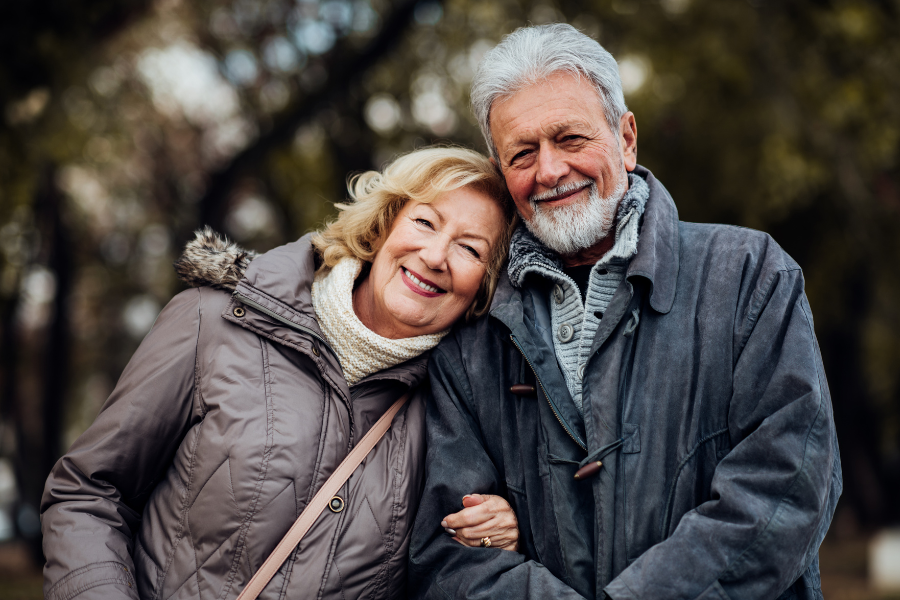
x=229, y=417
x=705, y=400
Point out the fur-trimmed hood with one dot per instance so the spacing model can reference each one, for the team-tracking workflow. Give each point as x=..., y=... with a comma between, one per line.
x=213, y=260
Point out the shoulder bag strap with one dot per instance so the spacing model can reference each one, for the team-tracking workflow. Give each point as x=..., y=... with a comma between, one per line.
x=315, y=507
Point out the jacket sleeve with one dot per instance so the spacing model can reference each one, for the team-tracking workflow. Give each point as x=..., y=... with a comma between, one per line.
x=774, y=493
x=458, y=464
x=93, y=498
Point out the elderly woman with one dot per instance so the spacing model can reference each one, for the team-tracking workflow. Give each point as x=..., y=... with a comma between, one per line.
x=251, y=389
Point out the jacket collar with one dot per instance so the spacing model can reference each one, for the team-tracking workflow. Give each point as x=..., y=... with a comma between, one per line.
x=283, y=277
x=656, y=258
x=279, y=280
x=658, y=247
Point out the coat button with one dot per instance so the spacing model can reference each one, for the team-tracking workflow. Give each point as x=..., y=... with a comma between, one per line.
x=581, y=371
x=336, y=504
x=523, y=389
x=588, y=470
x=565, y=332
x=558, y=294
x=315, y=351
x=238, y=311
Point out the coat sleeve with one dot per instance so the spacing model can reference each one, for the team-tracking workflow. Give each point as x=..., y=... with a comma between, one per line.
x=774, y=493
x=93, y=498
x=457, y=464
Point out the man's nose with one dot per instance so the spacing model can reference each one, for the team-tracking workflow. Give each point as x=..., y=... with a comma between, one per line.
x=551, y=167
x=434, y=252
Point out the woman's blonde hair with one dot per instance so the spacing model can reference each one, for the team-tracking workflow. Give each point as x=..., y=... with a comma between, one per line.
x=376, y=199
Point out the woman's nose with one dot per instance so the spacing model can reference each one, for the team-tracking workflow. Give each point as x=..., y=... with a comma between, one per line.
x=434, y=252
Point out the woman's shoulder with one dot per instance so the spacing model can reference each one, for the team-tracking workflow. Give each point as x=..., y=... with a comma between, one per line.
x=211, y=260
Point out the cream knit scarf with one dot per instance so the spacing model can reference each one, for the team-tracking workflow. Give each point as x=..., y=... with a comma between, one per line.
x=360, y=350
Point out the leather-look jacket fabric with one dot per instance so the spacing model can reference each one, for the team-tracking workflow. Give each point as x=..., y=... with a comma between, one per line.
x=230, y=416
x=705, y=401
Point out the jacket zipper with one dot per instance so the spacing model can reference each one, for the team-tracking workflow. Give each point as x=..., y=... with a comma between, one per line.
x=245, y=300
x=280, y=319
x=546, y=395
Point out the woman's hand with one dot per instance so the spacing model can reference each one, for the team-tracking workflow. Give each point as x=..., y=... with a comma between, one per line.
x=484, y=516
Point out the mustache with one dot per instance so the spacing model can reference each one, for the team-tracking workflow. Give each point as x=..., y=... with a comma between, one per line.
x=560, y=190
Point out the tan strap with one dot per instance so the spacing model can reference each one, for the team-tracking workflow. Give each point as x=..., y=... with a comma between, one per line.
x=315, y=507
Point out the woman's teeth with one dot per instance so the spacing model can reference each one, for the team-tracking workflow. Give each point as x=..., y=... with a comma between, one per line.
x=424, y=286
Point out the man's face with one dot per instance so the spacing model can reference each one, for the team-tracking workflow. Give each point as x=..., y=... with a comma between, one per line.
x=565, y=169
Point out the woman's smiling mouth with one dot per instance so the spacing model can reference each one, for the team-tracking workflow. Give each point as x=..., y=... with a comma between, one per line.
x=419, y=286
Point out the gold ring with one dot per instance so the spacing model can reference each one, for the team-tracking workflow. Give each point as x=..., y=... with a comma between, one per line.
x=485, y=542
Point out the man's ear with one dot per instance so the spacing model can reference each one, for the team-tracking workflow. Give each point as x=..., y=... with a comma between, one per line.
x=628, y=140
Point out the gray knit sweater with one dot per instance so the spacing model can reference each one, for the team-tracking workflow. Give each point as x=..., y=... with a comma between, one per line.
x=575, y=321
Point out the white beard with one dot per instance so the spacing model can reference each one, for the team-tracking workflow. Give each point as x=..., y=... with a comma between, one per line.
x=568, y=229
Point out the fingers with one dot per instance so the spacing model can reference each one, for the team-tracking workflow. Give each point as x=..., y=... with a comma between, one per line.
x=482, y=508
x=475, y=499
x=506, y=538
x=504, y=529
x=500, y=538
x=484, y=516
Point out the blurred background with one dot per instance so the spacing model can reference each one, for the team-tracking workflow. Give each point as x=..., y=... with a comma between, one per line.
x=127, y=124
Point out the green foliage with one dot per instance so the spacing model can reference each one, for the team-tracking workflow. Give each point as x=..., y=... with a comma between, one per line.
x=781, y=116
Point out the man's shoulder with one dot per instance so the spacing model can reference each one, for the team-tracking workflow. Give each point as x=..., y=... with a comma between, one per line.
x=468, y=338
x=732, y=245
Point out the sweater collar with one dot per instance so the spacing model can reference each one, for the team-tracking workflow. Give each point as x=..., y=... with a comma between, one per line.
x=529, y=255
x=283, y=277
x=361, y=351
x=657, y=249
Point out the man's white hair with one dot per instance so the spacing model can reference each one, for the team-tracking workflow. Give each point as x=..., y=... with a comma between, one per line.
x=530, y=54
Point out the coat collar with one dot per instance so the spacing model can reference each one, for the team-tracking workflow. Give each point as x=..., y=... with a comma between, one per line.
x=657, y=258
x=279, y=280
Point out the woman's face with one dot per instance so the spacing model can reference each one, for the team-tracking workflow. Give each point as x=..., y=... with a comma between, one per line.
x=429, y=269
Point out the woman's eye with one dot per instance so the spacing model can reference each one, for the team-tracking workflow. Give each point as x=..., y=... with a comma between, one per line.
x=472, y=251
x=425, y=223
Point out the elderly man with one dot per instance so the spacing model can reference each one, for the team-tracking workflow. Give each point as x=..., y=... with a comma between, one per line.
x=647, y=393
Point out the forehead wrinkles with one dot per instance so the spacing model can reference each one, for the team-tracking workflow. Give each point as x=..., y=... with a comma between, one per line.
x=559, y=91
x=514, y=125
x=554, y=128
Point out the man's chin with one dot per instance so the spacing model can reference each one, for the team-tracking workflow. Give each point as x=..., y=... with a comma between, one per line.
x=568, y=232
x=565, y=238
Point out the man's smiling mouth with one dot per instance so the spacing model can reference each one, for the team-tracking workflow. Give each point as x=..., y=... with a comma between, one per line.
x=560, y=192
x=422, y=284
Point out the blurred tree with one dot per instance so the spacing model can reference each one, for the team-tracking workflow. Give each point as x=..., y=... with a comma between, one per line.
x=249, y=114
x=343, y=67
x=44, y=44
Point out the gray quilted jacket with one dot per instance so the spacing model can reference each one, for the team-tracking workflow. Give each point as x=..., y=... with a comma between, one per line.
x=229, y=417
